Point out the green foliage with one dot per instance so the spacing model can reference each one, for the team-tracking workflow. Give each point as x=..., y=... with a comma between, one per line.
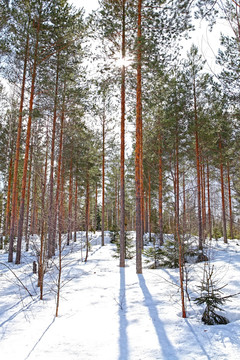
x=114, y=234
x=129, y=253
x=211, y=296
x=154, y=256
x=217, y=232
x=168, y=254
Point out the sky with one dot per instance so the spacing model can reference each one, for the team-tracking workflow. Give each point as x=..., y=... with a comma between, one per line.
x=88, y=5
x=207, y=41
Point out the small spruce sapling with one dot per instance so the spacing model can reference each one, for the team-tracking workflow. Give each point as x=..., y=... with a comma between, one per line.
x=212, y=297
x=129, y=253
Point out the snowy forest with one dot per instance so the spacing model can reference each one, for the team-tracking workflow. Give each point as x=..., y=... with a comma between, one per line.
x=119, y=181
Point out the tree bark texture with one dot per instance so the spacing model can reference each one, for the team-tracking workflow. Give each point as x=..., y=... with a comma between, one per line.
x=223, y=194
x=138, y=156
x=230, y=203
x=24, y=177
x=51, y=240
x=200, y=243
x=122, y=161
x=103, y=175
x=160, y=192
x=15, y=175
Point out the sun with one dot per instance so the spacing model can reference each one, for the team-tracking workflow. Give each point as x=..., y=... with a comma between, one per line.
x=120, y=62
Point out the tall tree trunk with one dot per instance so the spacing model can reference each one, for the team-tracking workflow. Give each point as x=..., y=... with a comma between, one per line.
x=146, y=213
x=230, y=203
x=138, y=145
x=223, y=194
x=69, y=236
x=177, y=207
x=204, y=200
x=51, y=240
x=96, y=207
x=75, y=210
x=184, y=206
x=7, y=217
x=200, y=235
x=209, y=204
x=43, y=225
x=56, y=208
x=24, y=177
x=28, y=200
x=160, y=192
x=149, y=207
x=181, y=269
x=87, y=216
x=19, y=131
x=103, y=174
x=122, y=173
x=33, y=210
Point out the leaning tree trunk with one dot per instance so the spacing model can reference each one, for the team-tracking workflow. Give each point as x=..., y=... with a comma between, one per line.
x=24, y=177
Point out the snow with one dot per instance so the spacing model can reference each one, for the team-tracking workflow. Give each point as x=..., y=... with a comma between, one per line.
x=111, y=313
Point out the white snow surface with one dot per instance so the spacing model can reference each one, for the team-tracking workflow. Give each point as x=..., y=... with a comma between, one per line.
x=111, y=313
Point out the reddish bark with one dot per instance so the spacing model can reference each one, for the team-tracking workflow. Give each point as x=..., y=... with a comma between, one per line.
x=33, y=212
x=209, y=204
x=24, y=177
x=184, y=207
x=95, y=209
x=149, y=206
x=122, y=161
x=87, y=216
x=138, y=146
x=103, y=175
x=75, y=210
x=28, y=200
x=43, y=223
x=7, y=219
x=230, y=202
x=146, y=213
x=51, y=239
x=200, y=242
x=203, y=198
x=181, y=270
x=15, y=175
x=223, y=194
x=160, y=192
x=69, y=236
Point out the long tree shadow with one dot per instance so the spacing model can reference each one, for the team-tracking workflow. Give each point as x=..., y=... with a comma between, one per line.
x=168, y=350
x=123, y=323
x=34, y=347
x=197, y=339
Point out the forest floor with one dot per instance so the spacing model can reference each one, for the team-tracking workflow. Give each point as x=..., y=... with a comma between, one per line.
x=108, y=313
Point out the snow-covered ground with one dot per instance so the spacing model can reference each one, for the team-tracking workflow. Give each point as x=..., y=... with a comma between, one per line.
x=108, y=313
